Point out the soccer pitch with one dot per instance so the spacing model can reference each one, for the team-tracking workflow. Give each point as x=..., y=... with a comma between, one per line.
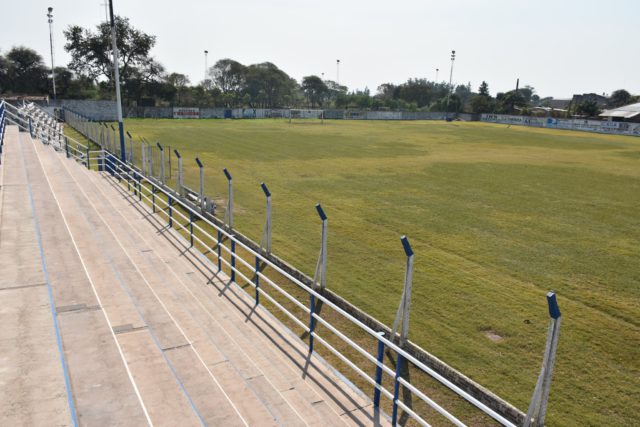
x=497, y=216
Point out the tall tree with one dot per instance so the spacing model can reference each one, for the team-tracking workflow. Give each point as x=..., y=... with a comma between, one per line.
x=314, y=89
x=91, y=54
x=24, y=72
x=483, y=90
x=619, y=98
x=229, y=76
x=268, y=86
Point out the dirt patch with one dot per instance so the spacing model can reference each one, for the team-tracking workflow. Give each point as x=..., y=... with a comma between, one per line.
x=493, y=336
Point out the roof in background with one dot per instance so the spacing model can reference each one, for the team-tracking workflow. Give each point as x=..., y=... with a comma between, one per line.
x=626, y=112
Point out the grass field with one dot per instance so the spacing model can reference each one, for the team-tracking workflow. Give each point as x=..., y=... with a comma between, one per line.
x=497, y=217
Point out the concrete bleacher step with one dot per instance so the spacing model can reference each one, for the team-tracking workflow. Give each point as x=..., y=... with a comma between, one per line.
x=213, y=338
x=322, y=396
x=32, y=388
x=149, y=330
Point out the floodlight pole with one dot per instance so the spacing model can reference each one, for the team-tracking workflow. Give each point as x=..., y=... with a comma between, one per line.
x=266, y=235
x=116, y=72
x=206, y=63
x=53, y=69
x=228, y=215
x=538, y=406
x=453, y=58
x=201, y=168
x=179, y=183
x=338, y=72
x=437, y=70
x=404, y=309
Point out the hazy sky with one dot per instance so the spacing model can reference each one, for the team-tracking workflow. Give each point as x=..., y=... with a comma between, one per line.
x=560, y=47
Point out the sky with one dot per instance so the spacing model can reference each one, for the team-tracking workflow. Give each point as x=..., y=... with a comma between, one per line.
x=560, y=47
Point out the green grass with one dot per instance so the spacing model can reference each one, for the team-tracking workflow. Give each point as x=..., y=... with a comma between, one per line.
x=497, y=216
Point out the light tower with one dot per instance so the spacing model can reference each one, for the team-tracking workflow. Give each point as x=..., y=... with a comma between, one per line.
x=437, y=70
x=116, y=75
x=206, y=63
x=53, y=71
x=453, y=58
x=338, y=71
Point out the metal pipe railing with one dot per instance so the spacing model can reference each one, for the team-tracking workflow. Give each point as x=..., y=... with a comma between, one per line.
x=124, y=170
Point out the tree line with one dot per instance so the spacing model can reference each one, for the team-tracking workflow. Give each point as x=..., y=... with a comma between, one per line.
x=228, y=83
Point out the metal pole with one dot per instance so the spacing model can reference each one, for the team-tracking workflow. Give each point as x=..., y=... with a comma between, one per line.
x=201, y=195
x=179, y=184
x=538, y=406
x=161, y=162
x=143, y=158
x=116, y=72
x=380, y=358
x=404, y=309
x=396, y=390
x=130, y=148
x=206, y=64
x=453, y=58
x=229, y=214
x=338, y=71
x=53, y=70
x=266, y=234
x=320, y=274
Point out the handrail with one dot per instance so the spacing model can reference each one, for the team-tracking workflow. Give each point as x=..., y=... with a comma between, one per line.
x=122, y=166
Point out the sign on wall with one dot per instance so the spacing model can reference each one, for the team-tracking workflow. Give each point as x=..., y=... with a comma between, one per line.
x=186, y=113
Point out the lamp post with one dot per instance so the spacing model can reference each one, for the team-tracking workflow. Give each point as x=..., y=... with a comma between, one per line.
x=206, y=63
x=53, y=71
x=453, y=58
x=437, y=70
x=338, y=71
x=116, y=73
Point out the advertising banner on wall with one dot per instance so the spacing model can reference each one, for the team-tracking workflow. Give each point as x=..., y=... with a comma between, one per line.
x=186, y=113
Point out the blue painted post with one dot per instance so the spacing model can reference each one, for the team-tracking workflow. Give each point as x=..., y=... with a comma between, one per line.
x=30, y=127
x=380, y=358
x=170, y=212
x=139, y=187
x=396, y=390
x=233, y=260
x=153, y=198
x=191, y=227
x=88, y=165
x=66, y=146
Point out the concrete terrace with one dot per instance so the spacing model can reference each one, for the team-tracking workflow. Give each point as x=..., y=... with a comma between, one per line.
x=107, y=320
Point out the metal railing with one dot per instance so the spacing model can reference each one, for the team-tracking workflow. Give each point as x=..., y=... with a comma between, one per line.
x=144, y=187
x=186, y=218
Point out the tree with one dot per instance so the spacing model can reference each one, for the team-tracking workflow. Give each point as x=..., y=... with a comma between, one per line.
x=619, y=98
x=314, y=89
x=23, y=72
x=230, y=77
x=483, y=90
x=268, y=86
x=482, y=104
x=91, y=54
x=588, y=108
